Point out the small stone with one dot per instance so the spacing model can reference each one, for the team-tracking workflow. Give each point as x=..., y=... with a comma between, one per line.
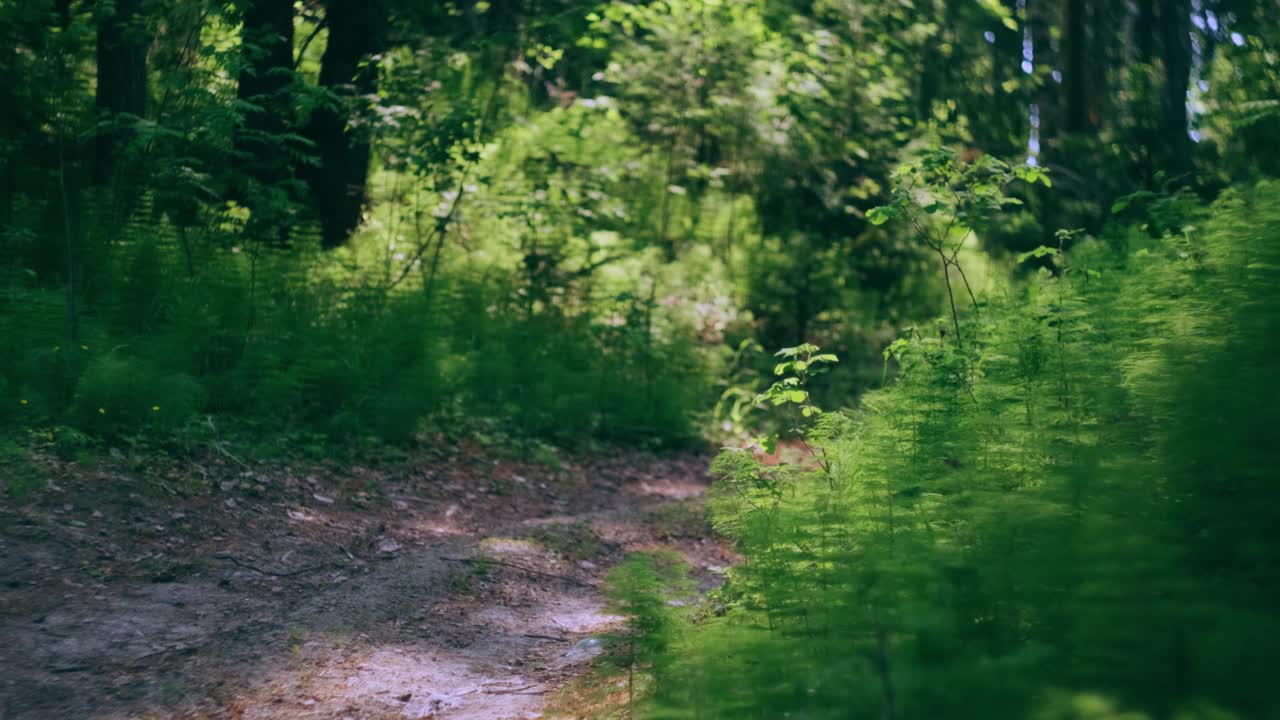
x=405, y=697
x=587, y=565
x=585, y=649
x=388, y=548
x=400, y=505
x=229, y=503
x=323, y=499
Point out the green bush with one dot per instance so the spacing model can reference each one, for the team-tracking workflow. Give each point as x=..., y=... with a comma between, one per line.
x=117, y=394
x=274, y=344
x=1070, y=514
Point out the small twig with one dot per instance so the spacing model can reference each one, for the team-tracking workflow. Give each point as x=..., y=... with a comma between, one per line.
x=240, y=563
x=517, y=691
x=413, y=498
x=521, y=568
x=545, y=637
x=324, y=23
x=218, y=445
x=442, y=224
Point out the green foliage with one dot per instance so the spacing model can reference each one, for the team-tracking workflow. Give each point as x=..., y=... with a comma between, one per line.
x=119, y=394
x=252, y=340
x=646, y=588
x=21, y=477
x=1075, y=528
x=551, y=222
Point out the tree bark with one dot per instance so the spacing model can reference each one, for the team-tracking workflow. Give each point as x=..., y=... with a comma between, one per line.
x=1076, y=115
x=357, y=31
x=1175, y=26
x=1144, y=31
x=267, y=42
x=122, y=80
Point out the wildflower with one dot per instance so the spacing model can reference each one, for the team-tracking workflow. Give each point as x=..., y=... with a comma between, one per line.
x=155, y=408
x=22, y=402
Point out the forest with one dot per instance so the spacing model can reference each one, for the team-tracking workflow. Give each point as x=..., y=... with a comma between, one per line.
x=511, y=359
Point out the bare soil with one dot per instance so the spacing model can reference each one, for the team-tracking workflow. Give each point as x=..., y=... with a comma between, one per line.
x=451, y=585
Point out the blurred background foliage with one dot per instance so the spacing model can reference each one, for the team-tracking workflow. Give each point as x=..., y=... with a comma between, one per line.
x=373, y=221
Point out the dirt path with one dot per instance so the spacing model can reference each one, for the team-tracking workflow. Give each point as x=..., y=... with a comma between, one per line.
x=448, y=587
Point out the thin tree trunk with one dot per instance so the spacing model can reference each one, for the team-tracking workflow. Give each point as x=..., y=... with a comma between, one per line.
x=1040, y=22
x=73, y=259
x=1175, y=25
x=267, y=46
x=122, y=80
x=1144, y=31
x=1076, y=116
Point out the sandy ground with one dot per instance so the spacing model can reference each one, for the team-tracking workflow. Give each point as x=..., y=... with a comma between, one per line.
x=449, y=585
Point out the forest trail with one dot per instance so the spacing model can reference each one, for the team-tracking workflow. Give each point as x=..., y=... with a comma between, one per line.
x=451, y=587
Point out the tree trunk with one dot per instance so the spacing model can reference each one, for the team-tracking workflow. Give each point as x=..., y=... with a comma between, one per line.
x=356, y=32
x=1175, y=26
x=267, y=42
x=1040, y=22
x=122, y=80
x=1076, y=115
x=1144, y=31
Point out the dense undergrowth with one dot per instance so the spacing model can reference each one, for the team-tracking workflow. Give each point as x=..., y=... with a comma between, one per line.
x=252, y=338
x=1064, y=514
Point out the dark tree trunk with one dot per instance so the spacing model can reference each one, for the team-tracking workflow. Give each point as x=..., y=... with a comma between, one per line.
x=1040, y=22
x=1076, y=113
x=356, y=32
x=264, y=82
x=122, y=80
x=1144, y=31
x=1105, y=51
x=1175, y=26
x=11, y=127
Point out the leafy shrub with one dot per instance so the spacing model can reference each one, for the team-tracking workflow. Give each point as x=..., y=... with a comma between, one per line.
x=645, y=589
x=119, y=394
x=1064, y=510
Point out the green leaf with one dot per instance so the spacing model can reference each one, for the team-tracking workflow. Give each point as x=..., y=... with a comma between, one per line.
x=1042, y=251
x=1123, y=203
x=879, y=215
